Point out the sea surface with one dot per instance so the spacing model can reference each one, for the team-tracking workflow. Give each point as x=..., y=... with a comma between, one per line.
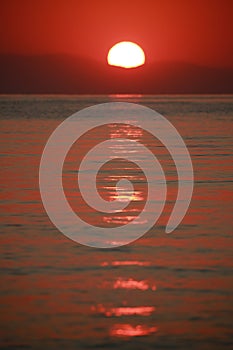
x=162, y=291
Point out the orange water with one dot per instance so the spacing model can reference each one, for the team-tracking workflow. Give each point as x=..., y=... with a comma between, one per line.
x=160, y=292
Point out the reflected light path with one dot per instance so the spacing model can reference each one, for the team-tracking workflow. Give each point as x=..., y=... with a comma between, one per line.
x=117, y=131
x=126, y=263
x=124, y=311
x=132, y=284
x=128, y=330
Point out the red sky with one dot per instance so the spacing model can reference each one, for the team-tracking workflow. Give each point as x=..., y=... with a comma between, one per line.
x=188, y=46
x=191, y=31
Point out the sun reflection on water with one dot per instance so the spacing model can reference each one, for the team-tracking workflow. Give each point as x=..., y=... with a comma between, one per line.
x=132, y=284
x=117, y=131
x=126, y=263
x=128, y=330
x=123, y=310
x=134, y=313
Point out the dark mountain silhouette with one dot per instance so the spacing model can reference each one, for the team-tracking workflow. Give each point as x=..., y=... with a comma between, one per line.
x=77, y=75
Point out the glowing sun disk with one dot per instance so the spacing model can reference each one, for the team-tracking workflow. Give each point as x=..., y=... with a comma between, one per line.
x=126, y=54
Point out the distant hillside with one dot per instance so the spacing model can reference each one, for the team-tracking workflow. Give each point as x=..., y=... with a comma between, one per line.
x=69, y=74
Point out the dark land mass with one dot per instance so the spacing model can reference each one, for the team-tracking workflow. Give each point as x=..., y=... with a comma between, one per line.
x=64, y=74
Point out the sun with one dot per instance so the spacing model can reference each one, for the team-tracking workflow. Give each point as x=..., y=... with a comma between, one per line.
x=126, y=54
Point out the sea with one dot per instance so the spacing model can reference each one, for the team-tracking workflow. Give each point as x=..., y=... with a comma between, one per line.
x=161, y=291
